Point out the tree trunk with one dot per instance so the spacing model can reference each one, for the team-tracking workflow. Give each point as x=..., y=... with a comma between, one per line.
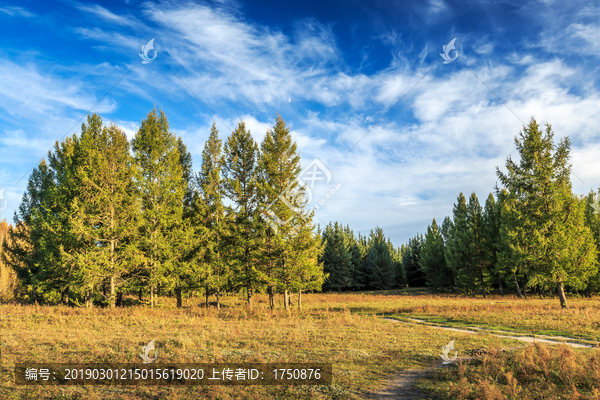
x=89, y=301
x=290, y=299
x=206, y=301
x=104, y=288
x=151, y=295
x=518, y=288
x=271, y=297
x=120, y=299
x=113, y=299
x=65, y=296
x=140, y=295
x=179, y=300
x=482, y=280
x=299, y=299
x=249, y=291
x=218, y=300
x=561, y=295
x=285, y=300
x=501, y=290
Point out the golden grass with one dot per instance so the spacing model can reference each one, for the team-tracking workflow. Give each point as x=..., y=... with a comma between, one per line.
x=534, y=316
x=537, y=372
x=363, y=348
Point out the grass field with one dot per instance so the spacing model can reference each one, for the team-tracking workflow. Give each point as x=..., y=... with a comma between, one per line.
x=344, y=329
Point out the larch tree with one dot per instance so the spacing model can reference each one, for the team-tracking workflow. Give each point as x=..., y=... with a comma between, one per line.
x=478, y=259
x=239, y=183
x=433, y=260
x=546, y=226
x=161, y=187
x=106, y=210
x=215, y=218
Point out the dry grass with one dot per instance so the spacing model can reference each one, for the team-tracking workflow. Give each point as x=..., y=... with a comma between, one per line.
x=537, y=372
x=534, y=316
x=363, y=348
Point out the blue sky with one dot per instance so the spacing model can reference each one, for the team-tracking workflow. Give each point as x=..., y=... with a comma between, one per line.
x=337, y=71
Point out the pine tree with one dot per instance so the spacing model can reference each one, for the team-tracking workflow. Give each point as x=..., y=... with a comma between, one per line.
x=337, y=259
x=106, y=210
x=491, y=235
x=458, y=246
x=359, y=251
x=433, y=260
x=24, y=251
x=289, y=236
x=546, y=229
x=411, y=262
x=592, y=220
x=479, y=260
x=217, y=272
x=161, y=187
x=239, y=170
x=380, y=262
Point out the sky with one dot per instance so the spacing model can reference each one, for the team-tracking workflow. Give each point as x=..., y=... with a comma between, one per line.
x=395, y=126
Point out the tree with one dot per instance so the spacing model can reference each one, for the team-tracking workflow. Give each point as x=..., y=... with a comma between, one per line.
x=239, y=169
x=106, y=210
x=289, y=238
x=458, y=246
x=337, y=259
x=545, y=225
x=411, y=262
x=161, y=187
x=433, y=260
x=478, y=257
x=592, y=219
x=217, y=273
x=25, y=248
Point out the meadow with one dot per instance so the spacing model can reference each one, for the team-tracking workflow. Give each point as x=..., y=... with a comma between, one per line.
x=345, y=329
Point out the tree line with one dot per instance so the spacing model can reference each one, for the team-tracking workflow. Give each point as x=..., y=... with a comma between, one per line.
x=103, y=216
x=534, y=234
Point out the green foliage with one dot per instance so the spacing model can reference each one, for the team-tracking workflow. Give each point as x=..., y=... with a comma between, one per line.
x=544, y=220
x=433, y=260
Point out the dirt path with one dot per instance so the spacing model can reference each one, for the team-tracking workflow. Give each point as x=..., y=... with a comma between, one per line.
x=508, y=335
x=401, y=386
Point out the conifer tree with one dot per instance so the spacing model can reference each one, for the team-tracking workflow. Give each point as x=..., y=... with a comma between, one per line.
x=411, y=262
x=289, y=236
x=239, y=171
x=106, y=210
x=491, y=235
x=478, y=258
x=546, y=229
x=380, y=262
x=592, y=219
x=458, y=246
x=215, y=219
x=24, y=251
x=161, y=187
x=433, y=260
x=337, y=259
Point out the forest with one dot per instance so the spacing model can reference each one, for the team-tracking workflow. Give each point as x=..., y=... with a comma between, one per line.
x=533, y=233
x=103, y=217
